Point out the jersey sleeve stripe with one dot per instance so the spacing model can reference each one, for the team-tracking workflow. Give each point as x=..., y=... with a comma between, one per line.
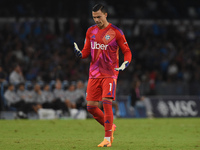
x=118, y=29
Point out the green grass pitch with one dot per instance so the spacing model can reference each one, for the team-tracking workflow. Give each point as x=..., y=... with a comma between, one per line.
x=131, y=134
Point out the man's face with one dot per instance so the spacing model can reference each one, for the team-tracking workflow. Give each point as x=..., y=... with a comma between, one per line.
x=72, y=87
x=58, y=85
x=37, y=87
x=18, y=69
x=11, y=87
x=80, y=84
x=46, y=88
x=99, y=18
x=21, y=87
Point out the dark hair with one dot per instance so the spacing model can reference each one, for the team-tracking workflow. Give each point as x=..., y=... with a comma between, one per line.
x=10, y=84
x=46, y=84
x=15, y=65
x=99, y=7
x=21, y=83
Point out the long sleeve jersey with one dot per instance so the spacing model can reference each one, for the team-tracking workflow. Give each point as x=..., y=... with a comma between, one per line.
x=103, y=45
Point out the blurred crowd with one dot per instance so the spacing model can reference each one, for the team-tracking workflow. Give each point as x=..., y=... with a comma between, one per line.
x=40, y=53
x=55, y=96
x=37, y=38
x=42, y=50
x=37, y=43
x=143, y=9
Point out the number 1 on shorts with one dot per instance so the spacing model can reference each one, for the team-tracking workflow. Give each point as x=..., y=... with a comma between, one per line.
x=110, y=86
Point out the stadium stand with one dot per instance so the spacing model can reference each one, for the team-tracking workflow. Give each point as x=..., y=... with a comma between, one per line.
x=159, y=56
x=163, y=36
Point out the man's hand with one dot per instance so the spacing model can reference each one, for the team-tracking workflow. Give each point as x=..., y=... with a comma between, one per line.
x=123, y=66
x=77, y=51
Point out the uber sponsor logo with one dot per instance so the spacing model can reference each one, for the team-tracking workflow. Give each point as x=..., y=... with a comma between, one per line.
x=96, y=45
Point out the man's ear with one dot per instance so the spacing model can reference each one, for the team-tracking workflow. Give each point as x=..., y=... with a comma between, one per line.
x=106, y=14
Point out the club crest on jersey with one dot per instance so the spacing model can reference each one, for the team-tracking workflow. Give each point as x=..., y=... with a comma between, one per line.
x=107, y=37
x=93, y=37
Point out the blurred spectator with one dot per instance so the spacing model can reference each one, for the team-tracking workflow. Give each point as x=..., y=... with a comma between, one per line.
x=13, y=100
x=16, y=75
x=81, y=94
x=76, y=97
x=30, y=93
x=173, y=71
x=116, y=107
x=80, y=88
x=2, y=75
x=137, y=99
x=22, y=92
x=49, y=100
x=37, y=96
x=25, y=95
x=60, y=94
x=47, y=97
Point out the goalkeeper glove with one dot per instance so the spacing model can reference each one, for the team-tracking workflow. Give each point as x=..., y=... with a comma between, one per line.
x=123, y=66
x=77, y=51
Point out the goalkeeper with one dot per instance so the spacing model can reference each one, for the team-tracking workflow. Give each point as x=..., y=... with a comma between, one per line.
x=102, y=42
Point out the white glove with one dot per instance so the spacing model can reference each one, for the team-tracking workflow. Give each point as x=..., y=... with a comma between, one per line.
x=77, y=51
x=123, y=66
